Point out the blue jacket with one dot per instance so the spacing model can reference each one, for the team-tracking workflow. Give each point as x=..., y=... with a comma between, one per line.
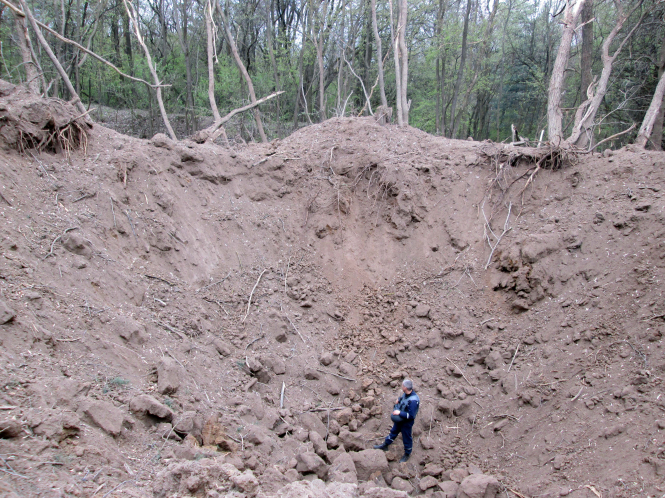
x=408, y=405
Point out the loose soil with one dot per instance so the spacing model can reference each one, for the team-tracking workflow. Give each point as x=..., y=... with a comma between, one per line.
x=315, y=273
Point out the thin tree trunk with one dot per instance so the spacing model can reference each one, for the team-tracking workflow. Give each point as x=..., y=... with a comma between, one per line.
x=243, y=71
x=134, y=20
x=379, y=55
x=460, y=72
x=398, y=72
x=554, y=93
x=211, y=64
x=657, y=133
x=54, y=59
x=403, y=11
x=31, y=71
x=582, y=134
x=646, y=130
x=321, y=21
x=586, y=55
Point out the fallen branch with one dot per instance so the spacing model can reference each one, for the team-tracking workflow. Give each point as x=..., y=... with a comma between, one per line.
x=514, y=356
x=336, y=375
x=173, y=331
x=294, y=328
x=214, y=283
x=209, y=134
x=460, y=371
x=249, y=303
x=614, y=136
x=281, y=397
x=257, y=339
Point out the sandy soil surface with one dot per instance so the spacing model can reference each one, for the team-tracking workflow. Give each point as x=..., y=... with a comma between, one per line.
x=188, y=320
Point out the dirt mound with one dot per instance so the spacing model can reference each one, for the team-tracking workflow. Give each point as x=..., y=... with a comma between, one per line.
x=186, y=319
x=29, y=122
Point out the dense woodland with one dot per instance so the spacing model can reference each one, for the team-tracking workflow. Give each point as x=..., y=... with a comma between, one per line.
x=505, y=70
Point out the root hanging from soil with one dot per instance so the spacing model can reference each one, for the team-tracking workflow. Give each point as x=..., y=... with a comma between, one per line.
x=28, y=121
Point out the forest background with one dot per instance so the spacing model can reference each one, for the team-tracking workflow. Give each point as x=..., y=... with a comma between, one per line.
x=511, y=70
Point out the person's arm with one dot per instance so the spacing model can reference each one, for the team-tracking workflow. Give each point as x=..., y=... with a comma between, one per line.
x=411, y=409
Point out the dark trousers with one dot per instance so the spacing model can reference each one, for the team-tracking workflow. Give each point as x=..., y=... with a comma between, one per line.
x=405, y=428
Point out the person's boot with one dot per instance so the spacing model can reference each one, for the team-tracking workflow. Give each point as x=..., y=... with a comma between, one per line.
x=404, y=458
x=382, y=446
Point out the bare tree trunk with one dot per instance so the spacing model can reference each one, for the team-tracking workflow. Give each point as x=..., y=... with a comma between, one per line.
x=243, y=71
x=403, y=11
x=554, y=94
x=646, y=130
x=398, y=72
x=582, y=133
x=460, y=72
x=211, y=64
x=54, y=59
x=134, y=20
x=31, y=71
x=321, y=21
x=586, y=55
x=379, y=55
x=657, y=133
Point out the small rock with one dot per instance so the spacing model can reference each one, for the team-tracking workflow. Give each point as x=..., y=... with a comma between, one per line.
x=221, y=347
x=422, y=311
x=326, y=358
x=281, y=336
x=479, y=486
x=427, y=482
x=246, y=482
x=448, y=489
x=147, y=405
x=352, y=441
x=311, y=374
x=347, y=370
x=169, y=376
x=311, y=463
x=370, y=463
x=343, y=469
x=458, y=474
x=6, y=313
x=401, y=484
x=106, y=416
x=344, y=416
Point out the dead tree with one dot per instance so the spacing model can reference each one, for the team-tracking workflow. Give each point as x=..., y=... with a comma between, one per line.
x=134, y=20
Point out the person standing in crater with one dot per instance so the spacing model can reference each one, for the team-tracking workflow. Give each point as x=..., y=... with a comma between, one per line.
x=403, y=416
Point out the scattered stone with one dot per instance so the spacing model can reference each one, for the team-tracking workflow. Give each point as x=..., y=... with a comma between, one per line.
x=401, y=484
x=77, y=244
x=309, y=463
x=281, y=336
x=458, y=474
x=347, y=370
x=427, y=482
x=246, y=482
x=343, y=469
x=106, y=416
x=448, y=489
x=169, y=375
x=494, y=360
x=319, y=445
x=479, y=486
x=311, y=374
x=369, y=463
x=311, y=422
x=213, y=434
x=189, y=422
x=422, y=311
x=344, y=416
x=221, y=347
x=615, y=430
x=326, y=358
x=6, y=313
x=352, y=441
x=147, y=405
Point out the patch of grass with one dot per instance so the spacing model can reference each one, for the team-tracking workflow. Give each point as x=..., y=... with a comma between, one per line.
x=119, y=381
x=168, y=402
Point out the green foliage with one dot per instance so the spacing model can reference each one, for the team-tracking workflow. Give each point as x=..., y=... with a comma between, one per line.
x=504, y=80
